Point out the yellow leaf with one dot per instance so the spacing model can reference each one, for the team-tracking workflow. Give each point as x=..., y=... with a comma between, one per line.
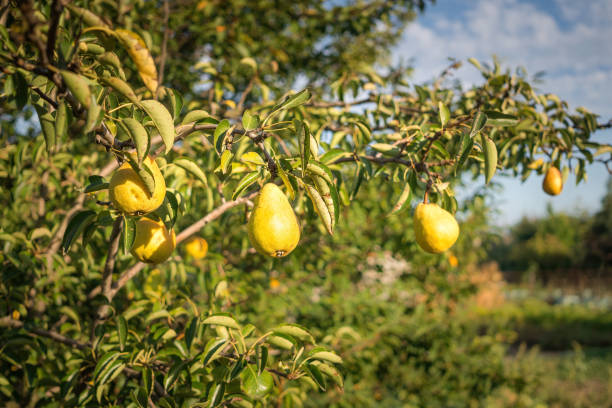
x=138, y=51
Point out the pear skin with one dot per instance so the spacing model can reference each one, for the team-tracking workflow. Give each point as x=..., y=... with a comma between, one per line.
x=436, y=229
x=553, y=181
x=273, y=228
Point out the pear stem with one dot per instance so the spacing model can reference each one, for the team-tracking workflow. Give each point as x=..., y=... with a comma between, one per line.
x=426, y=197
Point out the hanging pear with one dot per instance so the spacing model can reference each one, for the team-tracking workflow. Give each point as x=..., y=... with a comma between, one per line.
x=436, y=229
x=273, y=228
x=553, y=181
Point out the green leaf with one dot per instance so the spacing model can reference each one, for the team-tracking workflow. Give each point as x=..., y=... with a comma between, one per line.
x=162, y=120
x=105, y=362
x=75, y=227
x=255, y=385
x=139, y=135
x=403, y=199
x=283, y=175
x=61, y=119
x=191, y=331
x=110, y=59
x=128, y=233
x=289, y=102
x=219, y=134
x=94, y=116
x=140, y=396
x=195, y=116
x=295, y=330
x=281, y=341
x=490, y=156
x=226, y=159
x=327, y=356
x=217, y=396
x=249, y=121
x=191, y=167
x=89, y=18
x=495, y=118
x=244, y=183
x=386, y=149
x=237, y=369
x=213, y=348
x=321, y=170
x=250, y=62
x=172, y=207
x=122, y=88
x=464, y=155
x=330, y=371
x=314, y=373
x=321, y=207
x=122, y=331
x=262, y=359
x=303, y=135
x=364, y=129
x=144, y=172
x=294, y=100
x=444, y=113
x=148, y=380
x=332, y=155
x=173, y=374
x=222, y=320
x=176, y=101
x=47, y=125
x=21, y=90
x=78, y=86
x=252, y=158
x=479, y=122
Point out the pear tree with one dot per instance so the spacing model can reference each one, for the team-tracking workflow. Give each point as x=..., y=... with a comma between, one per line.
x=130, y=127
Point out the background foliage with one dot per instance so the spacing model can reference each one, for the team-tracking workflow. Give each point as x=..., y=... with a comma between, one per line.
x=358, y=318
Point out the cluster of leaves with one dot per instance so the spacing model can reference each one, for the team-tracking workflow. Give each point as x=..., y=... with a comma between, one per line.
x=101, y=98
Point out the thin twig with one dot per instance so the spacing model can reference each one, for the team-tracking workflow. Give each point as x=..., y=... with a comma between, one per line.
x=244, y=95
x=162, y=62
x=45, y=97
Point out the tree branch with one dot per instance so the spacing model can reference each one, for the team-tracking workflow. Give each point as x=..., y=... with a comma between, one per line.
x=164, y=47
x=186, y=233
x=56, y=12
x=109, y=267
x=18, y=324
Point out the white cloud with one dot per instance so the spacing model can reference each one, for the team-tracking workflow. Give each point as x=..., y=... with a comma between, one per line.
x=574, y=55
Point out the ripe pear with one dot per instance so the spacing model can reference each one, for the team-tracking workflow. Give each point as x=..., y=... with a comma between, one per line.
x=553, y=181
x=436, y=229
x=130, y=195
x=273, y=228
x=196, y=247
x=153, y=243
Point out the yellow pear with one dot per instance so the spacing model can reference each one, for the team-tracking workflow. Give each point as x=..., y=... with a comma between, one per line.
x=130, y=195
x=196, y=247
x=153, y=243
x=553, y=181
x=436, y=229
x=273, y=228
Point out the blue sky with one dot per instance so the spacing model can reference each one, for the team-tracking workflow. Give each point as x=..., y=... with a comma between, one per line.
x=567, y=39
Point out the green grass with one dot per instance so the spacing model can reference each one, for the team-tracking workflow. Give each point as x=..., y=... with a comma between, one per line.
x=551, y=327
x=578, y=378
